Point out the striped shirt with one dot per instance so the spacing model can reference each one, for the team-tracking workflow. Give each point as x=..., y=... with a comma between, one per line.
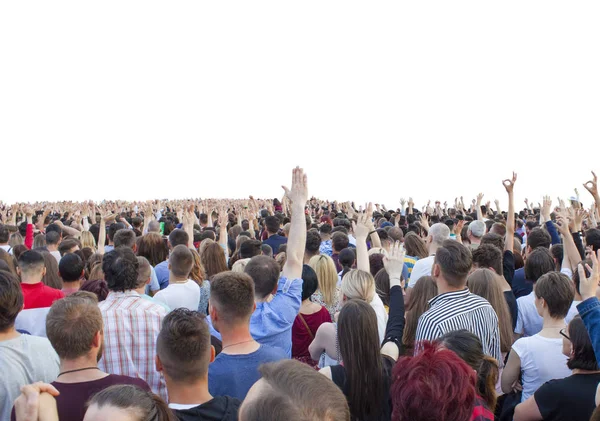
x=131, y=326
x=457, y=310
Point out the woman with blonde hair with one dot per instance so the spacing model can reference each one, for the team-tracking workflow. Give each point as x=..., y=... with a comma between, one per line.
x=199, y=276
x=15, y=239
x=87, y=240
x=328, y=293
x=418, y=303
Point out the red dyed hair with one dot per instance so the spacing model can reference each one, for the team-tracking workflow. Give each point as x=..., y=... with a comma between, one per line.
x=433, y=385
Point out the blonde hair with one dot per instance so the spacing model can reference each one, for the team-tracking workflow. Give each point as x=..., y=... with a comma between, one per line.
x=240, y=265
x=327, y=277
x=359, y=284
x=88, y=240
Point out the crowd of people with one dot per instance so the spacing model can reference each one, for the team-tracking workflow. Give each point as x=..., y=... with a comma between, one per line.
x=300, y=309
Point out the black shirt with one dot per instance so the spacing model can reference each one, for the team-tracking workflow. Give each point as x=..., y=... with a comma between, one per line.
x=570, y=399
x=511, y=300
x=220, y=408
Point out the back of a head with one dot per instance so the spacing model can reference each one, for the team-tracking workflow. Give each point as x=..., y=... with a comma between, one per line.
x=144, y=271
x=70, y=267
x=71, y=325
x=31, y=262
x=213, y=259
x=4, y=234
x=454, y=261
x=68, y=245
x=135, y=403
x=124, y=238
x=52, y=238
x=347, y=257
x=325, y=229
x=538, y=238
x=439, y=233
x=153, y=247
x=154, y=226
x=539, y=262
x=557, y=290
x=416, y=393
x=98, y=287
x=178, y=237
x=291, y=390
x=592, y=238
x=493, y=239
x=339, y=241
x=396, y=234
x=113, y=228
x=267, y=250
x=358, y=284
x=415, y=246
x=477, y=229
x=11, y=300
x=181, y=261
x=324, y=267
x=272, y=224
x=357, y=331
x=232, y=294
x=310, y=282
x=582, y=356
x=120, y=268
x=489, y=257
x=183, y=346
x=264, y=271
x=250, y=248
x=313, y=242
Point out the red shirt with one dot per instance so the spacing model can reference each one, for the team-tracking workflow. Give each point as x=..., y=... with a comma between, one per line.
x=301, y=338
x=39, y=295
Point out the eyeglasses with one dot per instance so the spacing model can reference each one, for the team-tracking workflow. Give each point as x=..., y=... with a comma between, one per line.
x=563, y=332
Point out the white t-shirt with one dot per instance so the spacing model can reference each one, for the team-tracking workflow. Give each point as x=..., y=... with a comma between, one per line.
x=541, y=360
x=7, y=248
x=56, y=255
x=382, y=316
x=529, y=321
x=185, y=295
x=421, y=268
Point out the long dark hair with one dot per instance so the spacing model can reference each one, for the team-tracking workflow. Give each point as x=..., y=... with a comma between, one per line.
x=415, y=246
x=583, y=356
x=360, y=351
x=469, y=348
x=418, y=303
x=150, y=407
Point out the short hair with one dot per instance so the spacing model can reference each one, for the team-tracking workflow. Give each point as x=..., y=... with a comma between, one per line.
x=313, y=242
x=4, y=233
x=477, y=228
x=31, y=261
x=52, y=238
x=250, y=248
x=203, y=218
x=488, y=256
x=68, y=244
x=395, y=234
x=54, y=228
x=120, y=268
x=272, y=224
x=499, y=228
x=592, y=238
x=583, y=356
x=264, y=271
x=325, y=229
x=455, y=262
x=232, y=294
x=538, y=263
x=144, y=271
x=181, y=261
x=178, y=237
x=439, y=233
x=71, y=325
x=210, y=234
x=539, y=237
x=267, y=250
x=183, y=345
x=310, y=282
x=113, y=228
x=339, y=241
x=493, y=239
x=11, y=300
x=557, y=291
x=294, y=391
x=145, y=405
x=124, y=238
x=71, y=267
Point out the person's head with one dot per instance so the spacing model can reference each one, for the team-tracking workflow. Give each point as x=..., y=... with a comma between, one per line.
x=197, y=274
x=493, y=239
x=96, y=286
x=539, y=262
x=31, y=266
x=250, y=248
x=15, y=239
x=489, y=257
x=592, y=238
x=438, y=233
x=52, y=238
x=266, y=250
x=416, y=393
x=310, y=282
x=69, y=245
x=339, y=241
x=272, y=223
x=313, y=243
x=11, y=300
x=74, y=327
x=359, y=349
x=554, y=293
x=415, y=246
x=577, y=346
x=358, y=284
x=487, y=284
x=264, y=271
x=120, y=268
x=213, y=259
x=87, y=240
x=128, y=403
x=153, y=247
x=10, y=261
x=453, y=262
x=470, y=349
x=4, y=234
x=113, y=228
x=538, y=238
x=327, y=275
x=71, y=268
x=382, y=286
x=154, y=226
x=183, y=348
x=178, y=237
x=418, y=303
x=39, y=241
x=291, y=390
x=475, y=231
x=499, y=228
x=325, y=230
x=231, y=301
x=181, y=262
x=395, y=234
x=144, y=272
x=557, y=252
x=125, y=238
x=347, y=259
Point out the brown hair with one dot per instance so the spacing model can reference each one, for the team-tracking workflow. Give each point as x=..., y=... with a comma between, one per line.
x=455, y=262
x=153, y=247
x=558, y=292
x=294, y=391
x=232, y=294
x=486, y=284
x=181, y=261
x=418, y=303
x=51, y=278
x=197, y=274
x=96, y=286
x=71, y=325
x=213, y=258
x=144, y=271
x=415, y=246
x=143, y=405
x=11, y=299
x=10, y=261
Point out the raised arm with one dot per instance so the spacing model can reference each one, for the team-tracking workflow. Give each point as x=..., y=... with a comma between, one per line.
x=361, y=231
x=592, y=187
x=298, y=195
x=394, y=263
x=570, y=249
x=478, y=207
x=510, y=216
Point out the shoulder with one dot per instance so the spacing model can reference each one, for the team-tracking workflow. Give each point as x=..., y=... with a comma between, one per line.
x=118, y=379
x=326, y=329
x=271, y=352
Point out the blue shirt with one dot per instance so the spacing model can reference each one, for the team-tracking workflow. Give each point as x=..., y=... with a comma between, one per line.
x=275, y=241
x=325, y=248
x=162, y=273
x=271, y=323
x=521, y=286
x=234, y=375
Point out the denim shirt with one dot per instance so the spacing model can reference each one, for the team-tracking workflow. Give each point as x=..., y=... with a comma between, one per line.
x=589, y=310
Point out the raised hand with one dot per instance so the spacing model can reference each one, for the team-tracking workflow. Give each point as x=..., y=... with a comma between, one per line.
x=298, y=194
x=361, y=227
x=588, y=286
x=592, y=185
x=394, y=263
x=546, y=206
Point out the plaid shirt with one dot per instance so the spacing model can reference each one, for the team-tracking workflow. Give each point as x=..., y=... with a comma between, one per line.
x=131, y=326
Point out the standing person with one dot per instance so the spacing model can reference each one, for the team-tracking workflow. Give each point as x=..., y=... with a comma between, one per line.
x=183, y=355
x=418, y=303
x=274, y=240
x=23, y=358
x=181, y=291
x=74, y=328
x=71, y=270
x=438, y=233
x=328, y=294
x=152, y=247
x=455, y=307
x=131, y=323
x=539, y=358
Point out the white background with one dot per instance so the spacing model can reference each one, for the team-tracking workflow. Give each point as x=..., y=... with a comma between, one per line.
x=376, y=100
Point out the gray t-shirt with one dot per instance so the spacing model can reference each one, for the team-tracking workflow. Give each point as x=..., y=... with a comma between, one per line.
x=24, y=360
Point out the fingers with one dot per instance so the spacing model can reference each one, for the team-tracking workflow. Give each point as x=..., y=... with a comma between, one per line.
x=581, y=272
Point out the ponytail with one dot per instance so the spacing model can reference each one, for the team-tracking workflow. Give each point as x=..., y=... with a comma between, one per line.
x=487, y=377
x=161, y=412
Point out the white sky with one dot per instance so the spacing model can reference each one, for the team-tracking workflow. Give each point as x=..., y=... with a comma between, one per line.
x=376, y=100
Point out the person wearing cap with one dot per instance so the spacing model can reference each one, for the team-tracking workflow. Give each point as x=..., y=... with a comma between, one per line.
x=475, y=231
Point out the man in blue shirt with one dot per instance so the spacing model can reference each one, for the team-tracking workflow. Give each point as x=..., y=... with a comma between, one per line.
x=272, y=224
x=176, y=237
